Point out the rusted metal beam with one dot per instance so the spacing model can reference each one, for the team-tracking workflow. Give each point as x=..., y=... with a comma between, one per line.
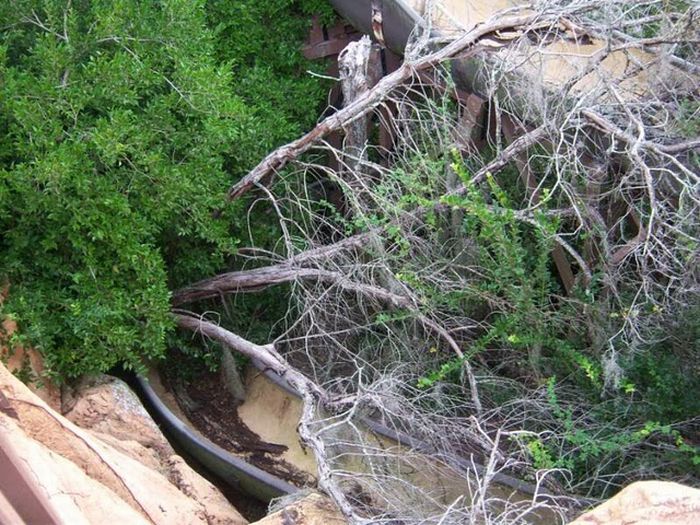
x=323, y=42
x=328, y=48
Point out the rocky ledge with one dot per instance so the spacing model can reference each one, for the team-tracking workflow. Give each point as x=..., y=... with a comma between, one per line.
x=94, y=455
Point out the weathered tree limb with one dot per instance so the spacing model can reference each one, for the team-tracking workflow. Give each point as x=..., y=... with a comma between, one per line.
x=515, y=148
x=366, y=102
x=259, y=278
x=355, y=79
x=313, y=396
x=231, y=377
x=325, y=252
x=605, y=125
x=243, y=281
x=266, y=354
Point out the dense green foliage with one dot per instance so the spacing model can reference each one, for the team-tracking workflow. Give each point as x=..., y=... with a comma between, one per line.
x=270, y=72
x=122, y=125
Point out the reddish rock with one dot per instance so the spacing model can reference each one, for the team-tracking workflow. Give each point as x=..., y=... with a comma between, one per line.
x=117, y=469
x=313, y=509
x=647, y=503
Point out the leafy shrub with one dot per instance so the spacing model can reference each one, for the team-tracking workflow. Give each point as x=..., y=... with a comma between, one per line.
x=261, y=41
x=122, y=124
x=514, y=269
x=600, y=437
x=600, y=446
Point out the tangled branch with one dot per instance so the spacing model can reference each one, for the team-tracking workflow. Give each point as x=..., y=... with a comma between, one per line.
x=582, y=149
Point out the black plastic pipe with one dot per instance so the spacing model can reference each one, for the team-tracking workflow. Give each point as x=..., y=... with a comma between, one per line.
x=233, y=470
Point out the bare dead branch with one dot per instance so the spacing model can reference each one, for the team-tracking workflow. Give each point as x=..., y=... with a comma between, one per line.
x=312, y=395
x=369, y=100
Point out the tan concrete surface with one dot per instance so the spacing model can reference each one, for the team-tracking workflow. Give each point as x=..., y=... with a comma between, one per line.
x=555, y=63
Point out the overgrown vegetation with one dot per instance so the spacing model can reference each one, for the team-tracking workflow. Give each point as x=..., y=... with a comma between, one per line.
x=540, y=308
x=122, y=124
x=520, y=289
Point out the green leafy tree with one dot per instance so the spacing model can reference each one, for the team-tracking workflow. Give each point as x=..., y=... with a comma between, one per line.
x=261, y=42
x=120, y=131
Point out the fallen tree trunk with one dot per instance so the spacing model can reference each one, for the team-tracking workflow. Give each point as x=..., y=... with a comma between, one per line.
x=259, y=278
